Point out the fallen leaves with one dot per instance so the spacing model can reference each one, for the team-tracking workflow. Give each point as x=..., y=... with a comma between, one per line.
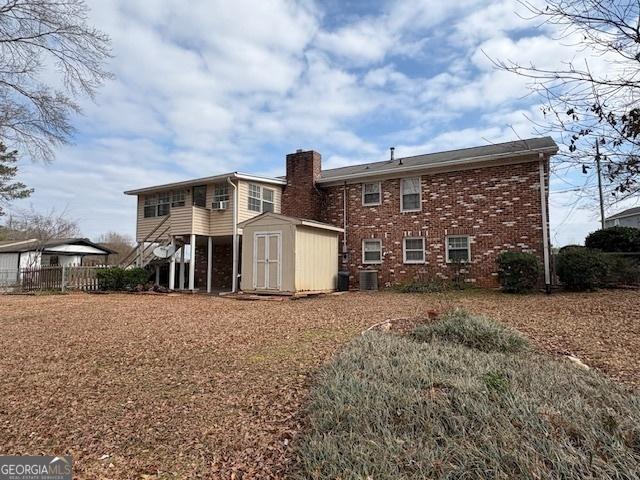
x=197, y=386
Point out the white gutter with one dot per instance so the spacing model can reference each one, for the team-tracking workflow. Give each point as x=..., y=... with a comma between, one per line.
x=545, y=225
x=234, y=274
x=456, y=162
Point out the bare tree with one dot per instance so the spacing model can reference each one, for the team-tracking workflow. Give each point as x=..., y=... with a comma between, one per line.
x=38, y=37
x=592, y=106
x=119, y=243
x=43, y=227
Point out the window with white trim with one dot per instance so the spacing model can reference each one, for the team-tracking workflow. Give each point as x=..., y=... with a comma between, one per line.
x=220, y=193
x=267, y=200
x=458, y=249
x=413, y=249
x=178, y=198
x=261, y=199
x=372, y=251
x=371, y=194
x=410, y=195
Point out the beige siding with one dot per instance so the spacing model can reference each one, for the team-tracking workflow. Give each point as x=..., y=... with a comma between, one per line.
x=316, y=264
x=188, y=219
x=243, y=199
x=144, y=226
x=287, y=265
x=309, y=260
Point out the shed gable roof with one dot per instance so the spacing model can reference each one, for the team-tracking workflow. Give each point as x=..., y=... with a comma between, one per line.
x=292, y=220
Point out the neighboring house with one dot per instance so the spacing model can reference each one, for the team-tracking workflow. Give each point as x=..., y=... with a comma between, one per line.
x=436, y=216
x=626, y=218
x=16, y=255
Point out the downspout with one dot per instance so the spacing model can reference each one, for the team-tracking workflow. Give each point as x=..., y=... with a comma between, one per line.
x=344, y=222
x=234, y=275
x=545, y=225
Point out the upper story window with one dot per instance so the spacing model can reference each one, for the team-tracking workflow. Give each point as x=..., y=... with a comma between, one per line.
x=150, y=203
x=458, y=249
x=220, y=193
x=178, y=198
x=372, y=251
x=261, y=199
x=199, y=193
x=410, y=195
x=156, y=205
x=163, y=204
x=413, y=249
x=371, y=194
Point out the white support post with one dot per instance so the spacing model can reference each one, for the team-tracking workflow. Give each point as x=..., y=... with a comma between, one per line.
x=140, y=250
x=192, y=264
x=181, y=285
x=209, y=262
x=172, y=266
x=157, y=275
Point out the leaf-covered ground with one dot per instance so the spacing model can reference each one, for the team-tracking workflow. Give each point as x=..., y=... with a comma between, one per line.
x=137, y=386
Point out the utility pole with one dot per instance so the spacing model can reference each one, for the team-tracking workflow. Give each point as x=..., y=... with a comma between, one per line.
x=600, y=183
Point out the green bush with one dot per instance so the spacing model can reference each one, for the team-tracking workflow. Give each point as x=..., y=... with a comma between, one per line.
x=390, y=408
x=518, y=271
x=582, y=268
x=117, y=279
x=614, y=239
x=471, y=331
x=622, y=270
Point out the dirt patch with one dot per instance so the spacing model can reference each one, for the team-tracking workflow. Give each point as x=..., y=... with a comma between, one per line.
x=196, y=386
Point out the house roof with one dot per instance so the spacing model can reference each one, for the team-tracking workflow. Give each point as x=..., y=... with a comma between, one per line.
x=216, y=178
x=293, y=220
x=20, y=246
x=629, y=212
x=448, y=158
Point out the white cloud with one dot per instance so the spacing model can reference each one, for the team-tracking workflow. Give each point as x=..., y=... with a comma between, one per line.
x=209, y=86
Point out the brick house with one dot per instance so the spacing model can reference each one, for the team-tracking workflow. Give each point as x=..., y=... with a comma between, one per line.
x=443, y=215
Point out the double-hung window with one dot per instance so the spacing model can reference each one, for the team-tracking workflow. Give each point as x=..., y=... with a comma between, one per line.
x=178, y=198
x=371, y=194
x=164, y=201
x=410, y=195
x=372, y=251
x=150, y=203
x=220, y=193
x=199, y=193
x=261, y=199
x=413, y=250
x=458, y=249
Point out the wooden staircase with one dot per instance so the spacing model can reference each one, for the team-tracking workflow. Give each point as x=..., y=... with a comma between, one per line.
x=142, y=254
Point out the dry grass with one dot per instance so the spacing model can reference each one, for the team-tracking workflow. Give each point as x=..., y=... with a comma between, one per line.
x=193, y=386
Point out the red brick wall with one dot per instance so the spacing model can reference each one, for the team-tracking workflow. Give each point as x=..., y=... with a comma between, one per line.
x=221, y=268
x=499, y=207
x=301, y=197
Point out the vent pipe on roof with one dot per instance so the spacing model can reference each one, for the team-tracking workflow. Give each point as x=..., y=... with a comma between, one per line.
x=391, y=153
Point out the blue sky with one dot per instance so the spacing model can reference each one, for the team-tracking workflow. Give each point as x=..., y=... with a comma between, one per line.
x=204, y=87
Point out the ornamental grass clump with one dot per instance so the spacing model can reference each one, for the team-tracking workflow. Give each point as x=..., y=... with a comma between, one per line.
x=472, y=331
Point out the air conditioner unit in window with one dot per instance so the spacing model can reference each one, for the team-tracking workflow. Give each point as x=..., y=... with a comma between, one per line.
x=223, y=205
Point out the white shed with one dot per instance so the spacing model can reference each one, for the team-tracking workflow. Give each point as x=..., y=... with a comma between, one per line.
x=16, y=255
x=288, y=255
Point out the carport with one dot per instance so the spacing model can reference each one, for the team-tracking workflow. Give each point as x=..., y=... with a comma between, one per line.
x=288, y=255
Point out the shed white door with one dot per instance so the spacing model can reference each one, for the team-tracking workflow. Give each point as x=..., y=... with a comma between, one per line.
x=266, y=261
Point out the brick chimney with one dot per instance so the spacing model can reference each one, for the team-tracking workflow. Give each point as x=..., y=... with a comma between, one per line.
x=301, y=198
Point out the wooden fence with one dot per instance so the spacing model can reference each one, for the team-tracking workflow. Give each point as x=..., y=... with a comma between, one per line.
x=50, y=278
